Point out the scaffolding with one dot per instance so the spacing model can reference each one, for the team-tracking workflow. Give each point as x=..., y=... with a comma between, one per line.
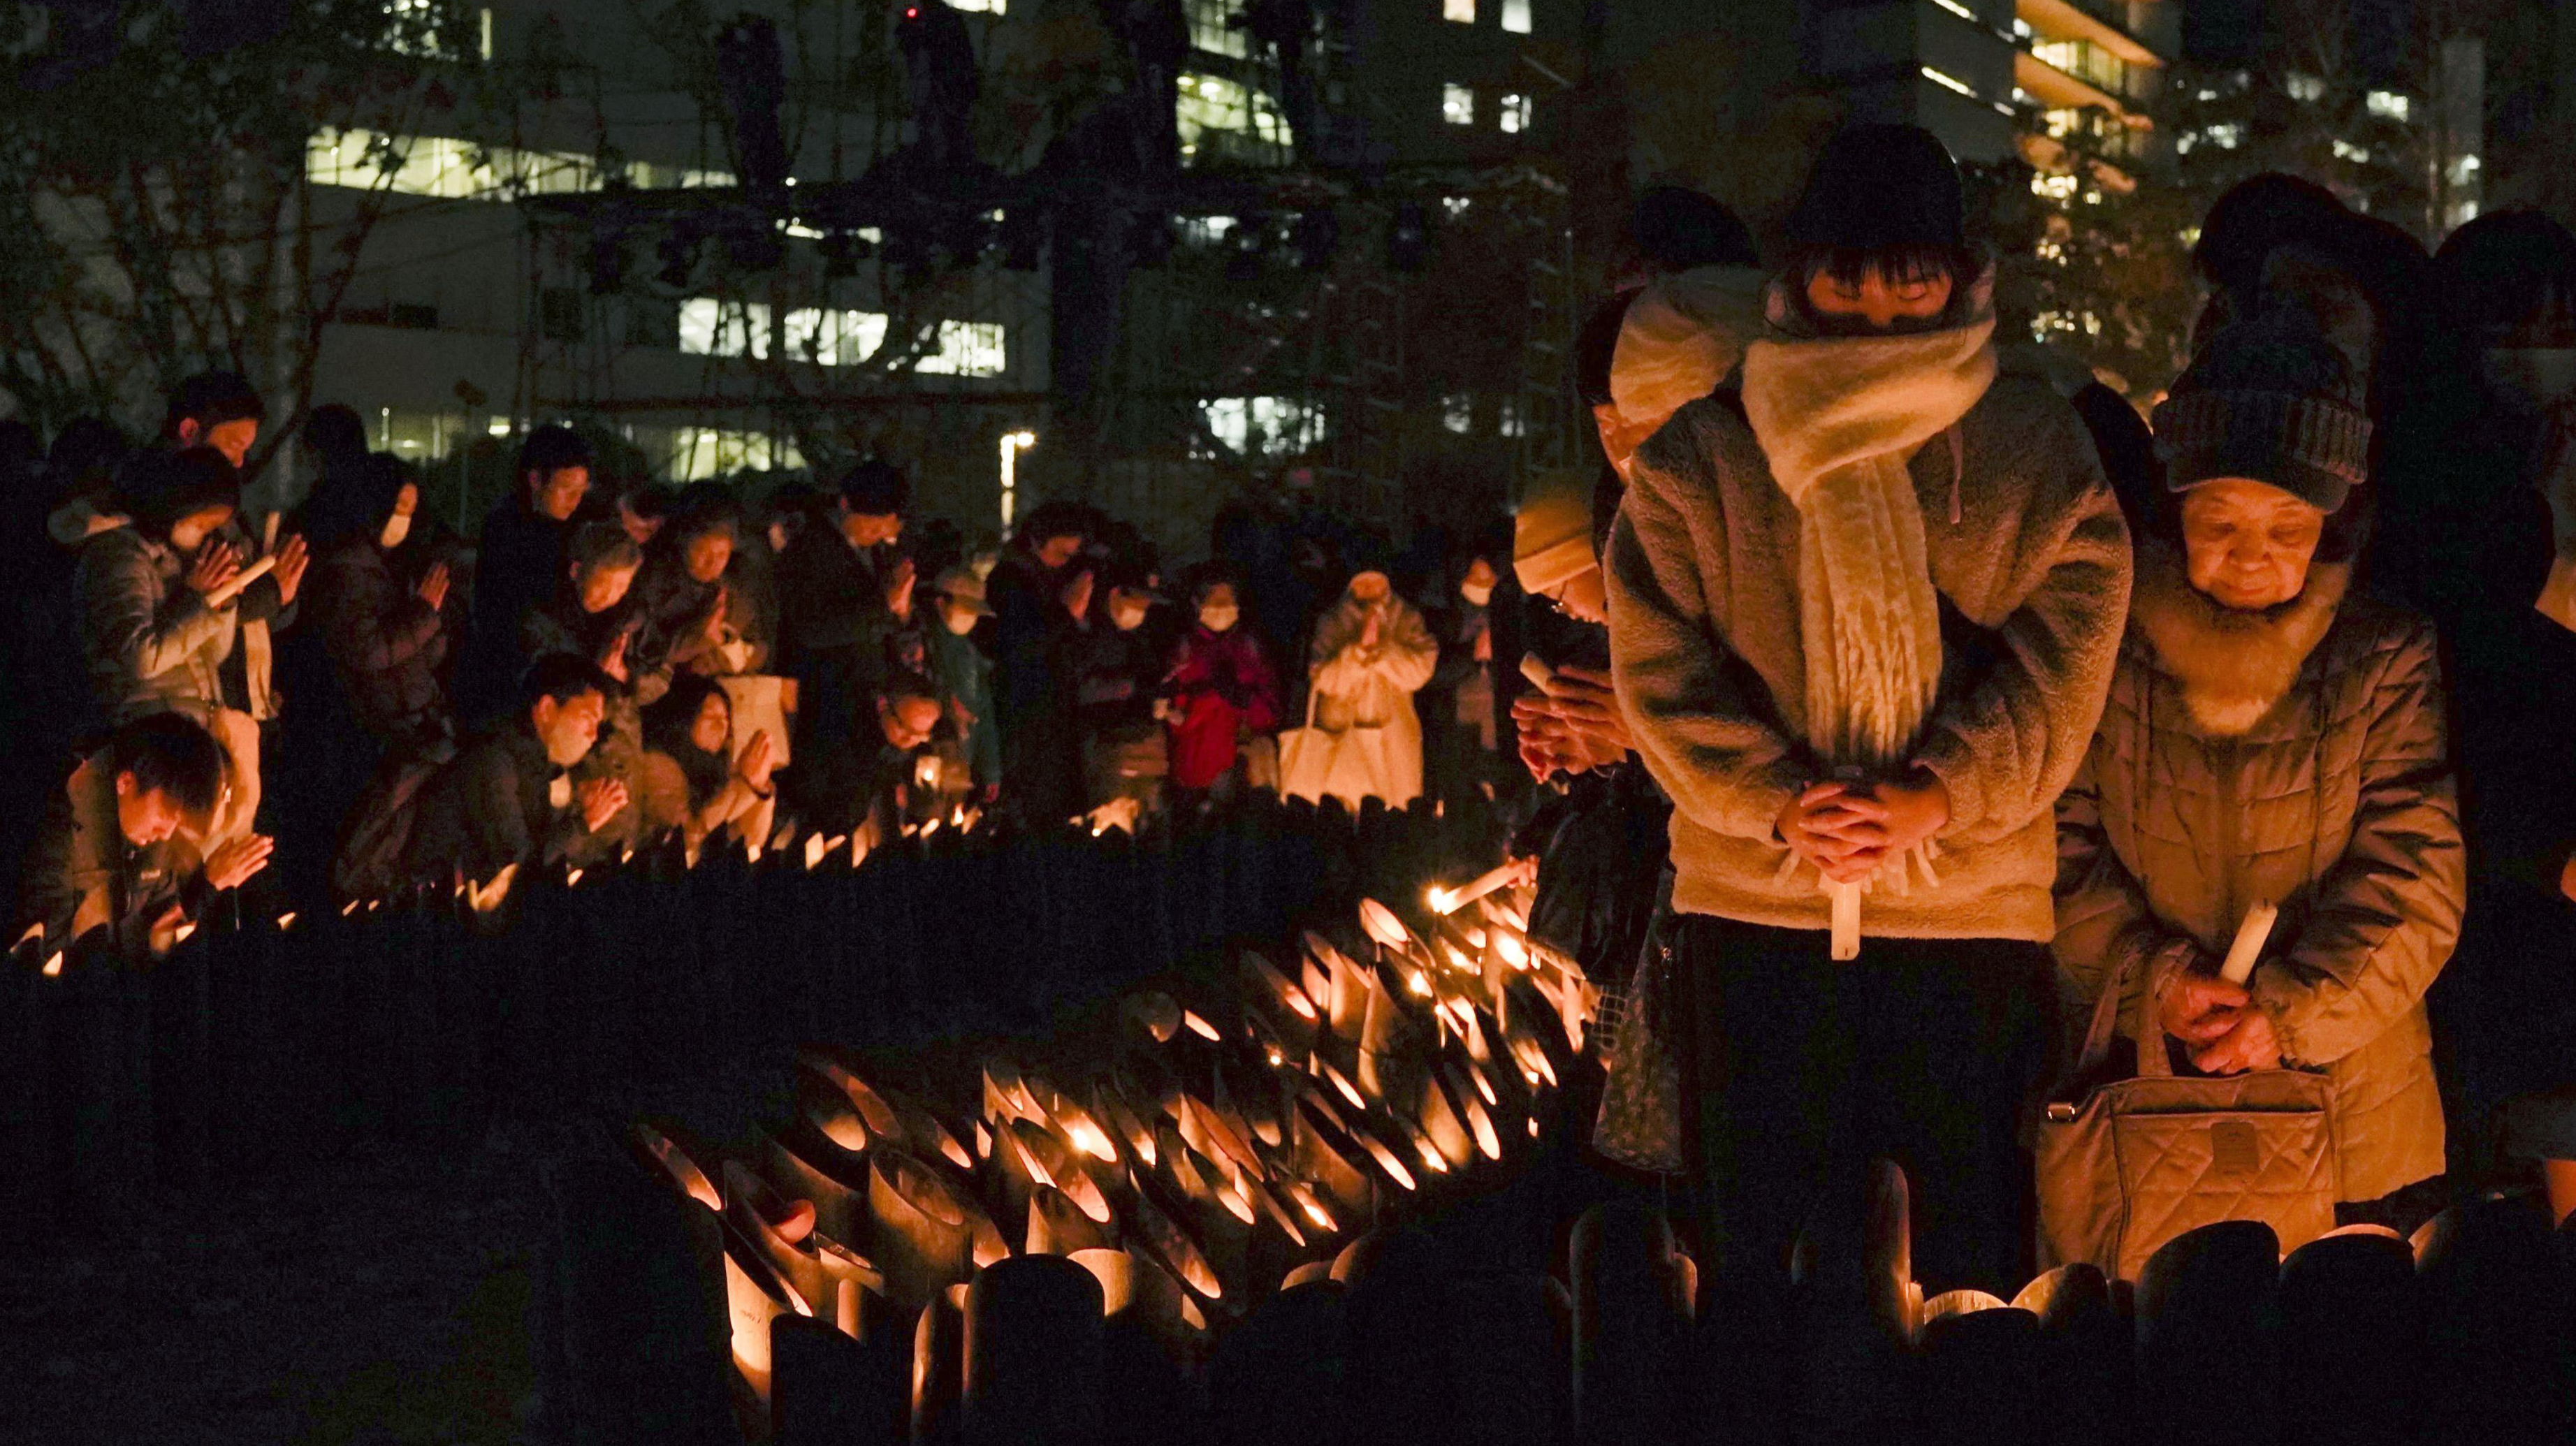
x=1263, y=324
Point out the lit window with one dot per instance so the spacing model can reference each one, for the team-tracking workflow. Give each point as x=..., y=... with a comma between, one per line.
x=1516, y=16
x=2021, y=29
x=2055, y=188
x=1457, y=105
x=1211, y=31
x=2345, y=150
x=1264, y=426
x=2226, y=136
x=1461, y=11
x=2464, y=171
x=2300, y=86
x=701, y=453
x=966, y=349
x=988, y=7
x=1458, y=412
x=710, y=327
x=1454, y=206
x=1206, y=230
x=2463, y=213
x=1508, y=419
x=2388, y=104
x=832, y=338
x=1948, y=81
x=1514, y=114
x=441, y=167
x=1228, y=120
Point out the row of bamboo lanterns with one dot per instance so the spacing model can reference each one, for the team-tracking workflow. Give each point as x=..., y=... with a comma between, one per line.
x=1231, y=1144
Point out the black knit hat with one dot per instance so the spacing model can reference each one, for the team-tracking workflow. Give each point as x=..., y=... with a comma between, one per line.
x=1878, y=188
x=2271, y=400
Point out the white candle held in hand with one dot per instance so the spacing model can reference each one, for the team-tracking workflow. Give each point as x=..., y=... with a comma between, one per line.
x=2251, y=936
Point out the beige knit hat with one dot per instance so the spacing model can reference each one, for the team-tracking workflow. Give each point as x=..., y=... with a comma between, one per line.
x=1552, y=535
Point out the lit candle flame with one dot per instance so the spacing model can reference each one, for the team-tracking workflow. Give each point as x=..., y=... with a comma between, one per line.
x=54, y=966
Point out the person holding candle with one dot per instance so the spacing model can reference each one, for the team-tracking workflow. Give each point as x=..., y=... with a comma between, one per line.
x=2274, y=738
x=1864, y=602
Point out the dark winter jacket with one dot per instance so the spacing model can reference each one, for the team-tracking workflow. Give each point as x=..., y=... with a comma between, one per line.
x=518, y=564
x=493, y=806
x=385, y=643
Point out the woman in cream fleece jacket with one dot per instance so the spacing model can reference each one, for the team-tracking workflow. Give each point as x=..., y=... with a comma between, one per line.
x=1865, y=602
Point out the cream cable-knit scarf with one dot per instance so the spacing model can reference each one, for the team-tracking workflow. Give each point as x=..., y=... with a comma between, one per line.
x=1838, y=418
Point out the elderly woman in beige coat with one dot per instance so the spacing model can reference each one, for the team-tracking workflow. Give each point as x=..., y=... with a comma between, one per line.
x=2274, y=737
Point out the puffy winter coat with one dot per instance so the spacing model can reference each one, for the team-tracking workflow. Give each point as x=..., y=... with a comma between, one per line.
x=2295, y=757
x=150, y=643
x=1222, y=685
x=1365, y=694
x=385, y=643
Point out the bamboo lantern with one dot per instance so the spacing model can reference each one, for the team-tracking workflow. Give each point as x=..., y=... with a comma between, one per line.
x=2089, y=1350
x=939, y=1367
x=922, y=1238
x=1033, y=1355
x=1326, y=1156
x=831, y=1387
x=2352, y=1319
x=1155, y=1013
x=1057, y=1226
x=826, y=1275
x=1471, y=1106
x=755, y=1295
x=662, y=1154
x=1978, y=1372
x=875, y=1114
x=1111, y=1106
x=2207, y=1306
x=1629, y=1335
x=811, y=1168
x=1174, y=1249
x=1311, y=1273
x=1443, y=1127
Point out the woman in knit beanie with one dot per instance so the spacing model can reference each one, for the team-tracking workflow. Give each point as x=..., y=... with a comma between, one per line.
x=2274, y=738
x=1864, y=602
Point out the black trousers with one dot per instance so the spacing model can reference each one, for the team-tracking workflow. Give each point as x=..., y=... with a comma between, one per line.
x=1798, y=1072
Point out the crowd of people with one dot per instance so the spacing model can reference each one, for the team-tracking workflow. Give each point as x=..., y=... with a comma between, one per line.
x=353, y=692
x=1889, y=700
x=1991, y=719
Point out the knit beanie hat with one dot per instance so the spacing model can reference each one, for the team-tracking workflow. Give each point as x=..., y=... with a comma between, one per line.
x=1878, y=187
x=2271, y=400
x=1552, y=534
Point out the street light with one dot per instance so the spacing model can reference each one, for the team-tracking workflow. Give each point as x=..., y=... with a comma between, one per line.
x=1013, y=443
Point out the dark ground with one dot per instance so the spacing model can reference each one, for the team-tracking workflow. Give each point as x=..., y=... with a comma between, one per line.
x=380, y=1297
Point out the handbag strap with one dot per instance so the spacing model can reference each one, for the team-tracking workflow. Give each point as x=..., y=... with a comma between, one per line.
x=2106, y=1022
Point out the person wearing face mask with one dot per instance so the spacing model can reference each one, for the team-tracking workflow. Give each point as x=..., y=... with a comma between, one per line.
x=1113, y=660
x=1223, y=692
x=1462, y=727
x=962, y=671
x=385, y=634
x=1370, y=654
x=1865, y=600
x=2273, y=736
x=2493, y=460
x=160, y=603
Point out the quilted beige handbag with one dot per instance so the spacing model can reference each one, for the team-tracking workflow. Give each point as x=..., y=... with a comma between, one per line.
x=2129, y=1164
